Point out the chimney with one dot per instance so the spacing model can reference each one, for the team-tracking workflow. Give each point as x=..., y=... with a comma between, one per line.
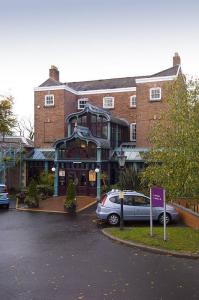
x=54, y=73
x=176, y=59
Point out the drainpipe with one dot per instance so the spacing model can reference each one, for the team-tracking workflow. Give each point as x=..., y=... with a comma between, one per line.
x=98, y=174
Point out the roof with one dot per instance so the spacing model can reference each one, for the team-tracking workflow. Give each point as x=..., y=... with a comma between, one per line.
x=98, y=110
x=15, y=141
x=132, y=154
x=41, y=154
x=51, y=82
x=112, y=83
x=84, y=133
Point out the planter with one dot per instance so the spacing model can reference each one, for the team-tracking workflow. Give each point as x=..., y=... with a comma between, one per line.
x=71, y=210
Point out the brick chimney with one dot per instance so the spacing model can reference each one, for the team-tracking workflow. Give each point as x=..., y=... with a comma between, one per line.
x=176, y=59
x=54, y=73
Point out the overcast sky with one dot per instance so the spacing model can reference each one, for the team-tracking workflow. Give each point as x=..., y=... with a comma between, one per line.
x=92, y=39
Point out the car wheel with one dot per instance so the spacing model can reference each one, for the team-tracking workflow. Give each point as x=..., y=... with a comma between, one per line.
x=113, y=219
x=161, y=219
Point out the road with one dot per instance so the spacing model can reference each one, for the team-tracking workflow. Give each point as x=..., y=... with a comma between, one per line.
x=55, y=257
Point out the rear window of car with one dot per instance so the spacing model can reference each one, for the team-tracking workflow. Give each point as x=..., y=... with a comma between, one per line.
x=3, y=189
x=115, y=199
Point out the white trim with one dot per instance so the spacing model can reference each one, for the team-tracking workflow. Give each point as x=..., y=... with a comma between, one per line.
x=150, y=94
x=179, y=67
x=53, y=100
x=156, y=79
x=78, y=102
x=104, y=91
x=108, y=98
x=88, y=92
x=133, y=105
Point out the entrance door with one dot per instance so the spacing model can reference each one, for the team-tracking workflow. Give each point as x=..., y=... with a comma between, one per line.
x=80, y=179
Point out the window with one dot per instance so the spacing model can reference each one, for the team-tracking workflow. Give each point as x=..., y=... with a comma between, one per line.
x=141, y=201
x=133, y=132
x=155, y=94
x=108, y=102
x=82, y=102
x=49, y=100
x=133, y=101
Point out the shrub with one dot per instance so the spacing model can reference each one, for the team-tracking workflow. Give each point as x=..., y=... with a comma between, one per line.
x=32, y=199
x=128, y=179
x=70, y=201
x=44, y=191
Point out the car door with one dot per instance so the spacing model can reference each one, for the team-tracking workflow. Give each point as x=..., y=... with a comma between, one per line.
x=128, y=207
x=141, y=207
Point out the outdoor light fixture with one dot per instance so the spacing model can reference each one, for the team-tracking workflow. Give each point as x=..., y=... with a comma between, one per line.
x=53, y=169
x=97, y=170
x=121, y=158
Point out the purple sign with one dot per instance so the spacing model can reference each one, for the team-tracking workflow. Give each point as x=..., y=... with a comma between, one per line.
x=157, y=197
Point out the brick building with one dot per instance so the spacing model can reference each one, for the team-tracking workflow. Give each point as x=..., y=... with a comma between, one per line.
x=134, y=102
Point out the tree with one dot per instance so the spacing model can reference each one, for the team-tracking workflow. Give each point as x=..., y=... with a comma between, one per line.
x=25, y=128
x=173, y=161
x=7, y=118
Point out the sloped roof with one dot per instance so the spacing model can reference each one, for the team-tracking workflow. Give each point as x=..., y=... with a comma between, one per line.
x=51, y=82
x=112, y=83
x=41, y=154
x=168, y=72
x=15, y=141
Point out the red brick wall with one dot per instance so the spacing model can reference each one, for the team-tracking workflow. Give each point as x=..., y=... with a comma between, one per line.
x=147, y=112
x=50, y=121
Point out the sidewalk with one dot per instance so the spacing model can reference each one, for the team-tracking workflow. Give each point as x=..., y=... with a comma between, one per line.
x=56, y=204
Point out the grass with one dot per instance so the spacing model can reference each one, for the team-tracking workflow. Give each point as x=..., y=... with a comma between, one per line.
x=180, y=239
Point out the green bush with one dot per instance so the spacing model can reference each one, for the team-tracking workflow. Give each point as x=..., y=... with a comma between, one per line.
x=46, y=178
x=32, y=199
x=44, y=191
x=70, y=201
x=128, y=179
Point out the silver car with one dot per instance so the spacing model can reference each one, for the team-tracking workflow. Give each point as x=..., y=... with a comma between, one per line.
x=136, y=207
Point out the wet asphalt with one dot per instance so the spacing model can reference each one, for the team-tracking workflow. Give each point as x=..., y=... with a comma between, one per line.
x=55, y=257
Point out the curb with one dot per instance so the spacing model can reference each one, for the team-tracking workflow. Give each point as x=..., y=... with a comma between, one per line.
x=52, y=211
x=151, y=249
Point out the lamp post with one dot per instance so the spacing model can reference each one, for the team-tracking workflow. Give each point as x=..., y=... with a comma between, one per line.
x=97, y=171
x=121, y=161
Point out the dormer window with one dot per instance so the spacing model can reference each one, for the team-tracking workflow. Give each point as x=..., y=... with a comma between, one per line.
x=108, y=102
x=155, y=94
x=49, y=100
x=133, y=101
x=82, y=102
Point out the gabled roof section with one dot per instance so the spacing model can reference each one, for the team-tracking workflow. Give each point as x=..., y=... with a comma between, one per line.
x=81, y=87
x=168, y=72
x=51, y=82
x=83, y=133
x=15, y=141
x=98, y=110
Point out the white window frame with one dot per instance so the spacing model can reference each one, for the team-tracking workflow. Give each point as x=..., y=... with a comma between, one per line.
x=133, y=132
x=133, y=102
x=49, y=102
x=152, y=90
x=82, y=105
x=109, y=99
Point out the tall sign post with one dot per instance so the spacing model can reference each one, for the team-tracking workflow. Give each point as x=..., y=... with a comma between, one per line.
x=157, y=199
x=121, y=196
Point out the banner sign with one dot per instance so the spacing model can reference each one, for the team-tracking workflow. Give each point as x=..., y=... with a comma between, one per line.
x=61, y=173
x=92, y=175
x=157, y=197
